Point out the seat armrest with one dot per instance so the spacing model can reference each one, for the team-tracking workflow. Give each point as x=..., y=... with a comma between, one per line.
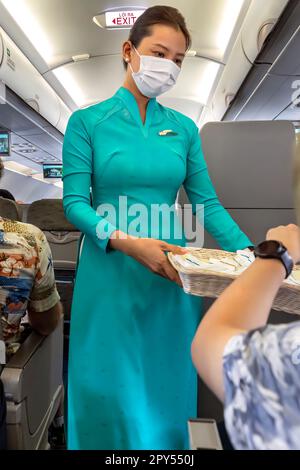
x=27, y=349
x=204, y=435
x=38, y=356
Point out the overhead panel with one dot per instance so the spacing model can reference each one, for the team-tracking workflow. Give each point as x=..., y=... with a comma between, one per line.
x=33, y=138
x=292, y=112
x=272, y=88
x=288, y=63
x=260, y=14
x=69, y=29
x=269, y=100
x=285, y=29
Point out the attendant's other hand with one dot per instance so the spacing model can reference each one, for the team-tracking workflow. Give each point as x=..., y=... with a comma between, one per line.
x=150, y=253
x=289, y=236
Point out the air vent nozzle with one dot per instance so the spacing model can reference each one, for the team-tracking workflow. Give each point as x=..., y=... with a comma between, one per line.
x=264, y=32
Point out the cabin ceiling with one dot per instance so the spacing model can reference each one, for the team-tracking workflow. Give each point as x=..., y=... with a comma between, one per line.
x=65, y=28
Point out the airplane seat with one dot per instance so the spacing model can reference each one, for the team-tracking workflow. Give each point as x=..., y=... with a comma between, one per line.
x=9, y=209
x=23, y=209
x=33, y=385
x=63, y=238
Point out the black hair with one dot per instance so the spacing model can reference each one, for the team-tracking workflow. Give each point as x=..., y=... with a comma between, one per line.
x=159, y=14
x=6, y=194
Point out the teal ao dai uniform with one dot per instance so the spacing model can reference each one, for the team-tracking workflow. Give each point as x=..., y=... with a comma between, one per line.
x=131, y=380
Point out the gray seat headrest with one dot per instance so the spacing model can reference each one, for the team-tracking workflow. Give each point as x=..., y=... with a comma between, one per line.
x=9, y=209
x=48, y=215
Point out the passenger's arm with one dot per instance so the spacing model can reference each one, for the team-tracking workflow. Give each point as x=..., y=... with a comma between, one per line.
x=77, y=171
x=242, y=307
x=200, y=190
x=45, y=322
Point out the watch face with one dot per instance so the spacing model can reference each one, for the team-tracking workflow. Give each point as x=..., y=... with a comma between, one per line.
x=269, y=248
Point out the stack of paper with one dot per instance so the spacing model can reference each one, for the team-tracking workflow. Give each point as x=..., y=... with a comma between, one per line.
x=233, y=264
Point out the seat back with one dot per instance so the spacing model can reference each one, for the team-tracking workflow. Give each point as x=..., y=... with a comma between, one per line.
x=9, y=209
x=63, y=238
x=48, y=215
x=23, y=209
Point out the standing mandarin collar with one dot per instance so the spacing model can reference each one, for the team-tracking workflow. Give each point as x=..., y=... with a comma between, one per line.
x=131, y=104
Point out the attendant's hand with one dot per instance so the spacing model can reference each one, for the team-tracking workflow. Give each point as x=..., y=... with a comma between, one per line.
x=150, y=253
x=289, y=236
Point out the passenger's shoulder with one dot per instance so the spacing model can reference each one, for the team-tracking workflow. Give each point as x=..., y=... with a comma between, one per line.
x=35, y=232
x=40, y=239
x=21, y=229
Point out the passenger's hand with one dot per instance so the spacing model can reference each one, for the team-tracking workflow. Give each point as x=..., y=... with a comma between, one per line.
x=289, y=236
x=151, y=254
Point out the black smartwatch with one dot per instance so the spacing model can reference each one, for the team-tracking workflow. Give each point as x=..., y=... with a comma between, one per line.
x=272, y=249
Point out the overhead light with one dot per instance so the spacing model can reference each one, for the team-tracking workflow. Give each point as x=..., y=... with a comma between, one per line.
x=39, y=177
x=18, y=168
x=78, y=58
x=25, y=19
x=231, y=12
x=193, y=53
x=118, y=19
x=70, y=85
x=26, y=171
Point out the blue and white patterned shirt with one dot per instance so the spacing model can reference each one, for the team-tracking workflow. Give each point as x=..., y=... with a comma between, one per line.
x=262, y=388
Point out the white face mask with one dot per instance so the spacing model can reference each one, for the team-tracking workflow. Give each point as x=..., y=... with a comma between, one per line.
x=155, y=76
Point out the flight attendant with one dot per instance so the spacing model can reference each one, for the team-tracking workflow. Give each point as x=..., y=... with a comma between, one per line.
x=131, y=380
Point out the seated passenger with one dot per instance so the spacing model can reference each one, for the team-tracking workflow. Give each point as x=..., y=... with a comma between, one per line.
x=253, y=368
x=27, y=282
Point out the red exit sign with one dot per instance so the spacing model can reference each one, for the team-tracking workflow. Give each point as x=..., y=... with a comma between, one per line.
x=122, y=19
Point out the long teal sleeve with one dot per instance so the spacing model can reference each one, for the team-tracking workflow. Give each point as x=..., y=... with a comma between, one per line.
x=200, y=190
x=77, y=173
